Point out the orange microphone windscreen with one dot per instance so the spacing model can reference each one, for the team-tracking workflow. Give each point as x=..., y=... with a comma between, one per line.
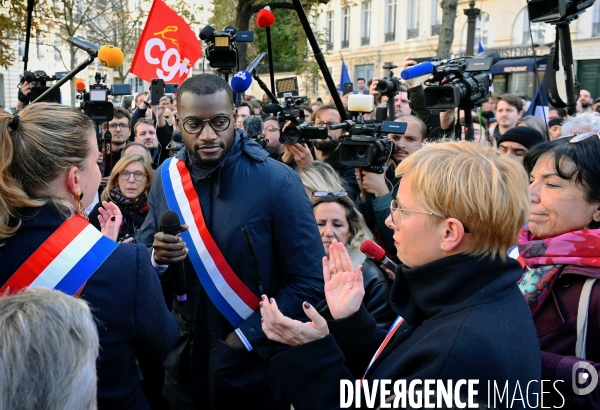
x=110, y=56
x=79, y=84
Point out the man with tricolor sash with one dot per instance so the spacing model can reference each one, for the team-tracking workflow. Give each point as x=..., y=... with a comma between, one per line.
x=249, y=230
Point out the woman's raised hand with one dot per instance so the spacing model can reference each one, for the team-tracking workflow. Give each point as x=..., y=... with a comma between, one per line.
x=282, y=329
x=344, y=288
x=110, y=219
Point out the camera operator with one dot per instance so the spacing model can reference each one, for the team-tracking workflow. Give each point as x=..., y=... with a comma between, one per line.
x=120, y=129
x=23, y=97
x=384, y=186
x=326, y=150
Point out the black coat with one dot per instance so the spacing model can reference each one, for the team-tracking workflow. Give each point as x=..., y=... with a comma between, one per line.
x=127, y=304
x=464, y=319
x=248, y=201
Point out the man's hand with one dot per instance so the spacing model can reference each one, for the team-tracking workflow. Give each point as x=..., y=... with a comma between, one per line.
x=373, y=88
x=169, y=248
x=372, y=183
x=159, y=111
x=345, y=99
x=409, y=62
x=301, y=154
x=25, y=90
x=233, y=340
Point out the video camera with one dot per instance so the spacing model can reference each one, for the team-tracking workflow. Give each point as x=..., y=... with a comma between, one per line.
x=39, y=78
x=367, y=145
x=464, y=83
x=290, y=110
x=221, y=50
x=554, y=11
x=94, y=102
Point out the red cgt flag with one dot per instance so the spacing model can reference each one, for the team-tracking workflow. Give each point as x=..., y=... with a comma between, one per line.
x=168, y=47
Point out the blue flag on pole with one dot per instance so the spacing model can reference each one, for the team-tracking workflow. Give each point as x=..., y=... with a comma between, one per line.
x=539, y=104
x=344, y=77
x=480, y=47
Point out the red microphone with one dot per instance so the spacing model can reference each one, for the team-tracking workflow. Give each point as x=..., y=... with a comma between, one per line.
x=376, y=252
x=265, y=18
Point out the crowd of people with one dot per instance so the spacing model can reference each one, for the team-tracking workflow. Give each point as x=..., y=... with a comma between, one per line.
x=265, y=300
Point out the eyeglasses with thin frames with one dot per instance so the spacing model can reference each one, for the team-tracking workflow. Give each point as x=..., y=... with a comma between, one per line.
x=121, y=125
x=395, y=206
x=137, y=175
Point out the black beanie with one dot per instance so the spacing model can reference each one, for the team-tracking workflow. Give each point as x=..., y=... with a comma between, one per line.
x=525, y=136
x=555, y=121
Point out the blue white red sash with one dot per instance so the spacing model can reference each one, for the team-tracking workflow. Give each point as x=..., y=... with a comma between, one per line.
x=399, y=320
x=65, y=261
x=228, y=293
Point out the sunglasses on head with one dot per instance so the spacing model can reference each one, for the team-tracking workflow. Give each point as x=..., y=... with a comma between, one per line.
x=318, y=194
x=581, y=137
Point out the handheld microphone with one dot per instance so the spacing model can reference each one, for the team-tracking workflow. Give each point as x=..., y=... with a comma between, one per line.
x=253, y=125
x=170, y=225
x=90, y=48
x=417, y=70
x=110, y=56
x=107, y=153
x=254, y=64
x=265, y=18
x=207, y=32
x=375, y=252
x=241, y=81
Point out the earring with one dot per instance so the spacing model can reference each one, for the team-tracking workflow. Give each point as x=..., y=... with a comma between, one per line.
x=80, y=205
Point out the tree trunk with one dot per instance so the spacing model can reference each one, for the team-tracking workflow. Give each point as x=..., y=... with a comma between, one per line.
x=446, y=36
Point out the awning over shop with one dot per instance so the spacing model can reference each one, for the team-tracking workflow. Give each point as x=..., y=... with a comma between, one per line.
x=519, y=65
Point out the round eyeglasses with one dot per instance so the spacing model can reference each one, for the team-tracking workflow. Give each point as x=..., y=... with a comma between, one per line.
x=137, y=175
x=219, y=122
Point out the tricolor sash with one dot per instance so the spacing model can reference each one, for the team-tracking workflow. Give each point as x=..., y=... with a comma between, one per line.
x=65, y=261
x=228, y=293
x=399, y=320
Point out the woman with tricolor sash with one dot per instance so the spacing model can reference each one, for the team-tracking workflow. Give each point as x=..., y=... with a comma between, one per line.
x=461, y=315
x=48, y=176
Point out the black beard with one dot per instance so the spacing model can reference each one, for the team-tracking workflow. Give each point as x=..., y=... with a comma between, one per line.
x=204, y=163
x=585, y=105
x=327, y=145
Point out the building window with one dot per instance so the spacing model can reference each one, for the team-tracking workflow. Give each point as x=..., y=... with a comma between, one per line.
x=412, y=14
x=57, y=45
x=365, y=31
x=390, y=20
x=345, y=27
x=481, y=31
x=596, y=23
x=315, y=85
x=538, y=30
x=435, y=17
x=21, y=50
x=330, y=30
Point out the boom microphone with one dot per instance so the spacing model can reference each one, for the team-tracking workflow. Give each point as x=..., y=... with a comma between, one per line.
x=170, y=225
x=265, y=18
x=417, y=70
x=375, y=252
x=241, y=81
x=253, y=125
x=90, y=48
x=254, y=64
x=271, y=108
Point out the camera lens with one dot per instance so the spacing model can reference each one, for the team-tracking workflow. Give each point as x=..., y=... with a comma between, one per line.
x=447, y=96
x=360, y=152
x=383, y=86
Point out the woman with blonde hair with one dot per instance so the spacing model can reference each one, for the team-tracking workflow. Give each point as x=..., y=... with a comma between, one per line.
x=128, y=187
x=461, y=316
x=339, y=219
x=48, y=176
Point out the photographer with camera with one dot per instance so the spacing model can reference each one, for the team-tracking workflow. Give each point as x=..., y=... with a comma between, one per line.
x=23, y=97
x=326, y=150
x=384, y=187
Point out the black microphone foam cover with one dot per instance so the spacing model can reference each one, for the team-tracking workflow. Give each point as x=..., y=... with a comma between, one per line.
x=28, y=76
x=207, y=32
x=272, y=108
x=169, y=223
x=253, y=125
x=177, y=137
